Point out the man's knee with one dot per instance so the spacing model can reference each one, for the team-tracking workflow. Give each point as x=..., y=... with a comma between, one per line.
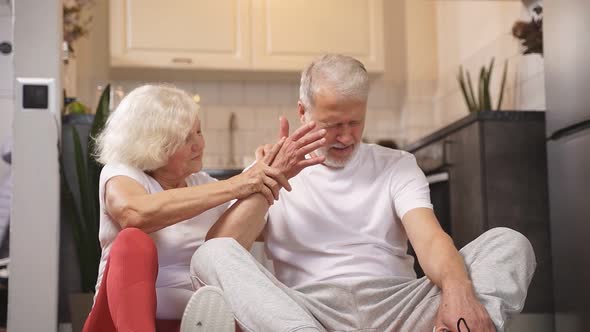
x=219, y=246
x=215, y=250
x=510, y=238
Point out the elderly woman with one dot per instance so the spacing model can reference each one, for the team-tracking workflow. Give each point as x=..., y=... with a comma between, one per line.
x=156, y=205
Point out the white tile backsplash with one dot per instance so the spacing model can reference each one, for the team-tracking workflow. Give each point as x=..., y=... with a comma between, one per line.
x=378, y=94
x=216, y=147
x=283, y=94
x=256, y=94
x=186, y=86
x=292, y=115
x=267, y=117
x=385, y=120
x=419, y=114
x=231, y=93
x=216, y=117
x=245, y=117
x=247, y=141
x=208, y=91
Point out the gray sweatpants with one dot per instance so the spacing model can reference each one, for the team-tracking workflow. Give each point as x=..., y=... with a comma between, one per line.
x=500, y=263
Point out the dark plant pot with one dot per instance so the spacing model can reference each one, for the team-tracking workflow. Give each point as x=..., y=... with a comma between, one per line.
x=69, y=268
x=80, y=306
x=76, y=119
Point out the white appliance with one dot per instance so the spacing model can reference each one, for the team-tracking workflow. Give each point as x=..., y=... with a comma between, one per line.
x=567, y=77
x=34, y=225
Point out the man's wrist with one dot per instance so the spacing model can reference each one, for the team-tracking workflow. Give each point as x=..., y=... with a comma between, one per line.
x=457, y=285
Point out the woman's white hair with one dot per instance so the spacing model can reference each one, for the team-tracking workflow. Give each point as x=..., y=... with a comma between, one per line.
x=341, y=74
x=147, y=127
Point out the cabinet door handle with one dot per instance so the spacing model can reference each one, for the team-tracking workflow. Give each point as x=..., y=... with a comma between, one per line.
x=447, y=161
x=182, y=60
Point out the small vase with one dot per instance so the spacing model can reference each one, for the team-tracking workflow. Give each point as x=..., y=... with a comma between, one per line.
x=68, y=70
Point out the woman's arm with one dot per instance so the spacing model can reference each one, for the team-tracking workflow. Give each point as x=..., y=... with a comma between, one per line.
x=130, y=205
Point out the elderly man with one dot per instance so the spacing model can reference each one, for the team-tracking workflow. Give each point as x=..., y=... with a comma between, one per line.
x=339, y=238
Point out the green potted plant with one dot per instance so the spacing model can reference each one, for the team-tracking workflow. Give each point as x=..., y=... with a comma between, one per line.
x=481, y=101
x=80, y=207
x=530, y=34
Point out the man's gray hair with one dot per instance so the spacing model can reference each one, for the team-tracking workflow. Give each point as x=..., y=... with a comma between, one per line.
x=341, y=74
x=147, y=127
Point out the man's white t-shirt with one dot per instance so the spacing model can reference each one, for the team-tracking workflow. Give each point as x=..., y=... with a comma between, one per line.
x=340, y=223
x=176, y=244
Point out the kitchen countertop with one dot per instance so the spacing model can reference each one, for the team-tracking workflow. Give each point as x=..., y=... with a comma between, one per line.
x=481, y=116
x=223, y=173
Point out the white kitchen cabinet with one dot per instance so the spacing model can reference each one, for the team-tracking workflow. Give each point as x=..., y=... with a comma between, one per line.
x=180, y=33
x=286, y=35
x=269, y=35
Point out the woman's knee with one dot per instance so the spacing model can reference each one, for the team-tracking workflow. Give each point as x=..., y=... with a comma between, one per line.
x=134, y=243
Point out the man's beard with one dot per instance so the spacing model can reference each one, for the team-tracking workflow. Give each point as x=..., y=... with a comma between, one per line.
x=333, y=161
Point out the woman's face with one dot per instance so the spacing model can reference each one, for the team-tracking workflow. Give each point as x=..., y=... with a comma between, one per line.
x=188, y=158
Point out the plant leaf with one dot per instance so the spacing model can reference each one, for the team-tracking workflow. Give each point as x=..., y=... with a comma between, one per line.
x=84, y=218
x=502, y=85
x=88, y=247
x=488, y=93
x=94, y=168
x=461, y=80
x=82, y=175
x=470, y=86
x=481, y=88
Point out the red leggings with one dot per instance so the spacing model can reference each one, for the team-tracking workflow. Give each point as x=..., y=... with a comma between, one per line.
x=126, y=299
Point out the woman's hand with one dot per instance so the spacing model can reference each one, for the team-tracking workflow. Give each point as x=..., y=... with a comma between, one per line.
x=290, y=159
x=261, y=178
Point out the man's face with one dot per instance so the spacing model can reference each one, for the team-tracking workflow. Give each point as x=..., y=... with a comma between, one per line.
x=344, y=121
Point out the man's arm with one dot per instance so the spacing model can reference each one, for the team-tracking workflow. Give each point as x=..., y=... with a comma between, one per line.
x=245, y=220
x=436, y=252
x=445, y=267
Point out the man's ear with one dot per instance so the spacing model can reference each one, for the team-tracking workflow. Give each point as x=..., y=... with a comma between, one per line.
x=301, y=110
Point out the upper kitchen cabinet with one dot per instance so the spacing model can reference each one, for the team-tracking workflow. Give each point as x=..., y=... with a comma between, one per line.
x=268, y=35
x=180, y=33
x=286, y=35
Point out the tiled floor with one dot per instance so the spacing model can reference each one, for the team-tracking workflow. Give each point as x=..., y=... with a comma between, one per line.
x=531, y=323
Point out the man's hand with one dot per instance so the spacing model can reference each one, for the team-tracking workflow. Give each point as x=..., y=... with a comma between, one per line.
x=460, y=310
x=290, y=159
x=445, y=267
x=261, y=178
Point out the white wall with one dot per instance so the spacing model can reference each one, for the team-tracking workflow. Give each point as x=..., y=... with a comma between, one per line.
x=420, y=46
x=470, y=33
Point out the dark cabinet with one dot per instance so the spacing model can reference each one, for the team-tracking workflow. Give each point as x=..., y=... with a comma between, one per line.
x=465, y=183
x=497, y=177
